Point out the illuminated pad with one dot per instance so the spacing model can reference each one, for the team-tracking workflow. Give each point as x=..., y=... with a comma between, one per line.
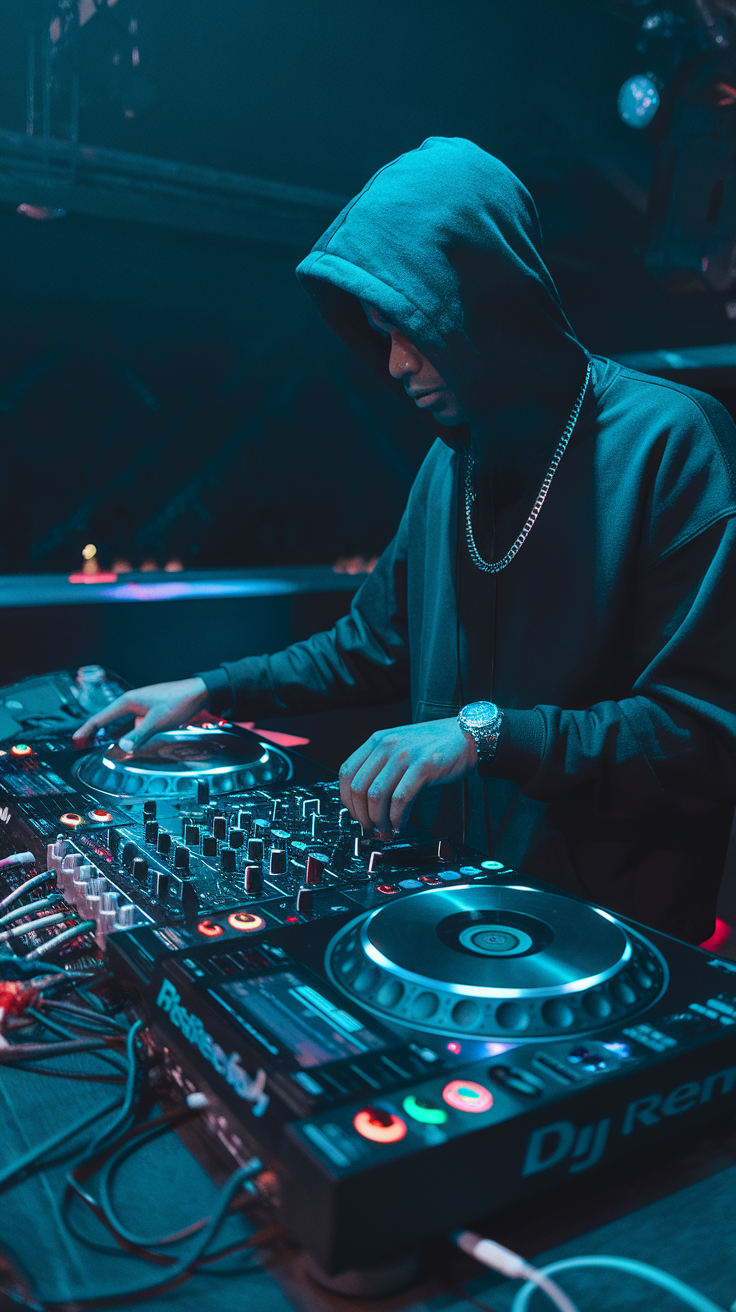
x=379, y=1126
x=100, y=816
x=71, y=819
x=424, y=1110
x=466, y=1096
x=246, y=921
x=387, y=889
x=209, y=928
x=21, y=749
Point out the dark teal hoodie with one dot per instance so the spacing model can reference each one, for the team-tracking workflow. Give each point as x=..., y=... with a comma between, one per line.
x=610, y=639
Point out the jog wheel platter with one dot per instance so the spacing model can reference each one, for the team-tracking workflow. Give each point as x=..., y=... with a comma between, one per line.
x=495, y=962
x=171, y=764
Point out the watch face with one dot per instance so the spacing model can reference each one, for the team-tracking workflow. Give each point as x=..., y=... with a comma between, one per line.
x=478, y=714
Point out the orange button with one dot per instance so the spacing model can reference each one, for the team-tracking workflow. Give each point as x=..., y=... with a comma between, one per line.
x=101, y=816
x=71, y=819
x=209, y=928
x=466, y=1096
x=21, y=749
x=247, y=921
x=387, y=889
x=379, y=1126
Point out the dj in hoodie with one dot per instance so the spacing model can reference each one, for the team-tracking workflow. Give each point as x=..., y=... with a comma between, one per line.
x=607, y=639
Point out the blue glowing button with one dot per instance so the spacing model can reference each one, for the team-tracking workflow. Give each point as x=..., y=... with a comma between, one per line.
x=466, y=1096
x=449, y=876
x=379, y=1126
x=493, y=865
x=424, y=1110
x=409, y=883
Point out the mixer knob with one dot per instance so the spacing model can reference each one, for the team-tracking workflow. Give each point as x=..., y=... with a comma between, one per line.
x=344, y=819
x=338, y=860
x=228, y=860
x=277, y=863
x=237, y=837
x=209, y=845
x=162, y=885
x=320, y=825
x=253, y=880
x=315, y=867
x=140, y=870
x=219, y=827
x=181, y=858
x=245, y=821
x=255, y=849
x=191, y=835
x=128, y=854
x=190, y=903
x=305, y=901
x=261, y=828
x=203, y=792
x=280, y=838
x=151, y=831
x=149, y=810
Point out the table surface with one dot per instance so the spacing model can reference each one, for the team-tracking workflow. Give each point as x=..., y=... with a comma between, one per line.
x=672, y=1207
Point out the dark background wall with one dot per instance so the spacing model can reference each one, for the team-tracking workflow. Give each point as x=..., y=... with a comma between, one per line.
x=171, y=394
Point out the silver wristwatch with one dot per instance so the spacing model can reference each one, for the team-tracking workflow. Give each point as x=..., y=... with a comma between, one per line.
x=481, y=721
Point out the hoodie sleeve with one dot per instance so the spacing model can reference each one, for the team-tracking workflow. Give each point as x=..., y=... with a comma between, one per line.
x=363, y=660
x=673, y=740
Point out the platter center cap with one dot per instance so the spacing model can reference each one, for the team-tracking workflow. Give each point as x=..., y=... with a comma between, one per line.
x=495, y=940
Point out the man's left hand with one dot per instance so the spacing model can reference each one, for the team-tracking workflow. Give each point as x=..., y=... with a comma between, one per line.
x=379, y=782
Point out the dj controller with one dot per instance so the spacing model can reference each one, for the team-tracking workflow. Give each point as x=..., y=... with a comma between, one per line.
x=408, y=1035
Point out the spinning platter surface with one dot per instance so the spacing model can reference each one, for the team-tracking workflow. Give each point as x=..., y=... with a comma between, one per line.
x=170, y=764
x=495, y=961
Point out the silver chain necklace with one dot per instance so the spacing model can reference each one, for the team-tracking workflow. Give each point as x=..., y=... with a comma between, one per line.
x=493, y=567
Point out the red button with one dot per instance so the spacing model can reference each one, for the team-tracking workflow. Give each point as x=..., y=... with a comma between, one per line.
x=379, y=1126
x=209, y=928
x=71, y=819
x=387, y=889
x=101, y=816
x=247, y=921
x=466, y=1096
x=22, y=749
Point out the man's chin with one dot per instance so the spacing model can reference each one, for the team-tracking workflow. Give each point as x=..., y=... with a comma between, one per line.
x=448, y=420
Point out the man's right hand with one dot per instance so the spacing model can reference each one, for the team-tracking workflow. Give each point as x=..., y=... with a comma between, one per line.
x=160, y=706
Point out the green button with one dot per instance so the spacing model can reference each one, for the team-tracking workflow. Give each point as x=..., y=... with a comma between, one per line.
x=421, y=1110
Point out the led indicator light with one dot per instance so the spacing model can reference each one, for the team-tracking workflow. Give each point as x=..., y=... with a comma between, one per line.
x=21, y=749
x=209, y=928
x=422, y=1109
x=455, y=1048
x=493, y=865
x=71, y=819
x=379, y=1126
x=246, y=921
x=387, y=889
x=466, y=1096
x=101, y=816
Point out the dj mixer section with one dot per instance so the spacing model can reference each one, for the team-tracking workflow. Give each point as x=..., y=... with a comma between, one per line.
x=403, y=1031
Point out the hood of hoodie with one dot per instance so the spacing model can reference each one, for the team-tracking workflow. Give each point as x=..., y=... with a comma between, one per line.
x=446, y=243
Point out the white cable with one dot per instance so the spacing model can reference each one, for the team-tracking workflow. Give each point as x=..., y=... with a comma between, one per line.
x=17, y=859
x=42, y=922
x=52, y=943
x=684, y=1292
x=512, y=1265
x=52, y=900
x=26, y=888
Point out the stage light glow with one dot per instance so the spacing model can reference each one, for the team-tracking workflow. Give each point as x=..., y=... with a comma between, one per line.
x=638, y=100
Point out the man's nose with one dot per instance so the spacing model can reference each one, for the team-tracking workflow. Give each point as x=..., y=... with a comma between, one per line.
x=404, y=358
